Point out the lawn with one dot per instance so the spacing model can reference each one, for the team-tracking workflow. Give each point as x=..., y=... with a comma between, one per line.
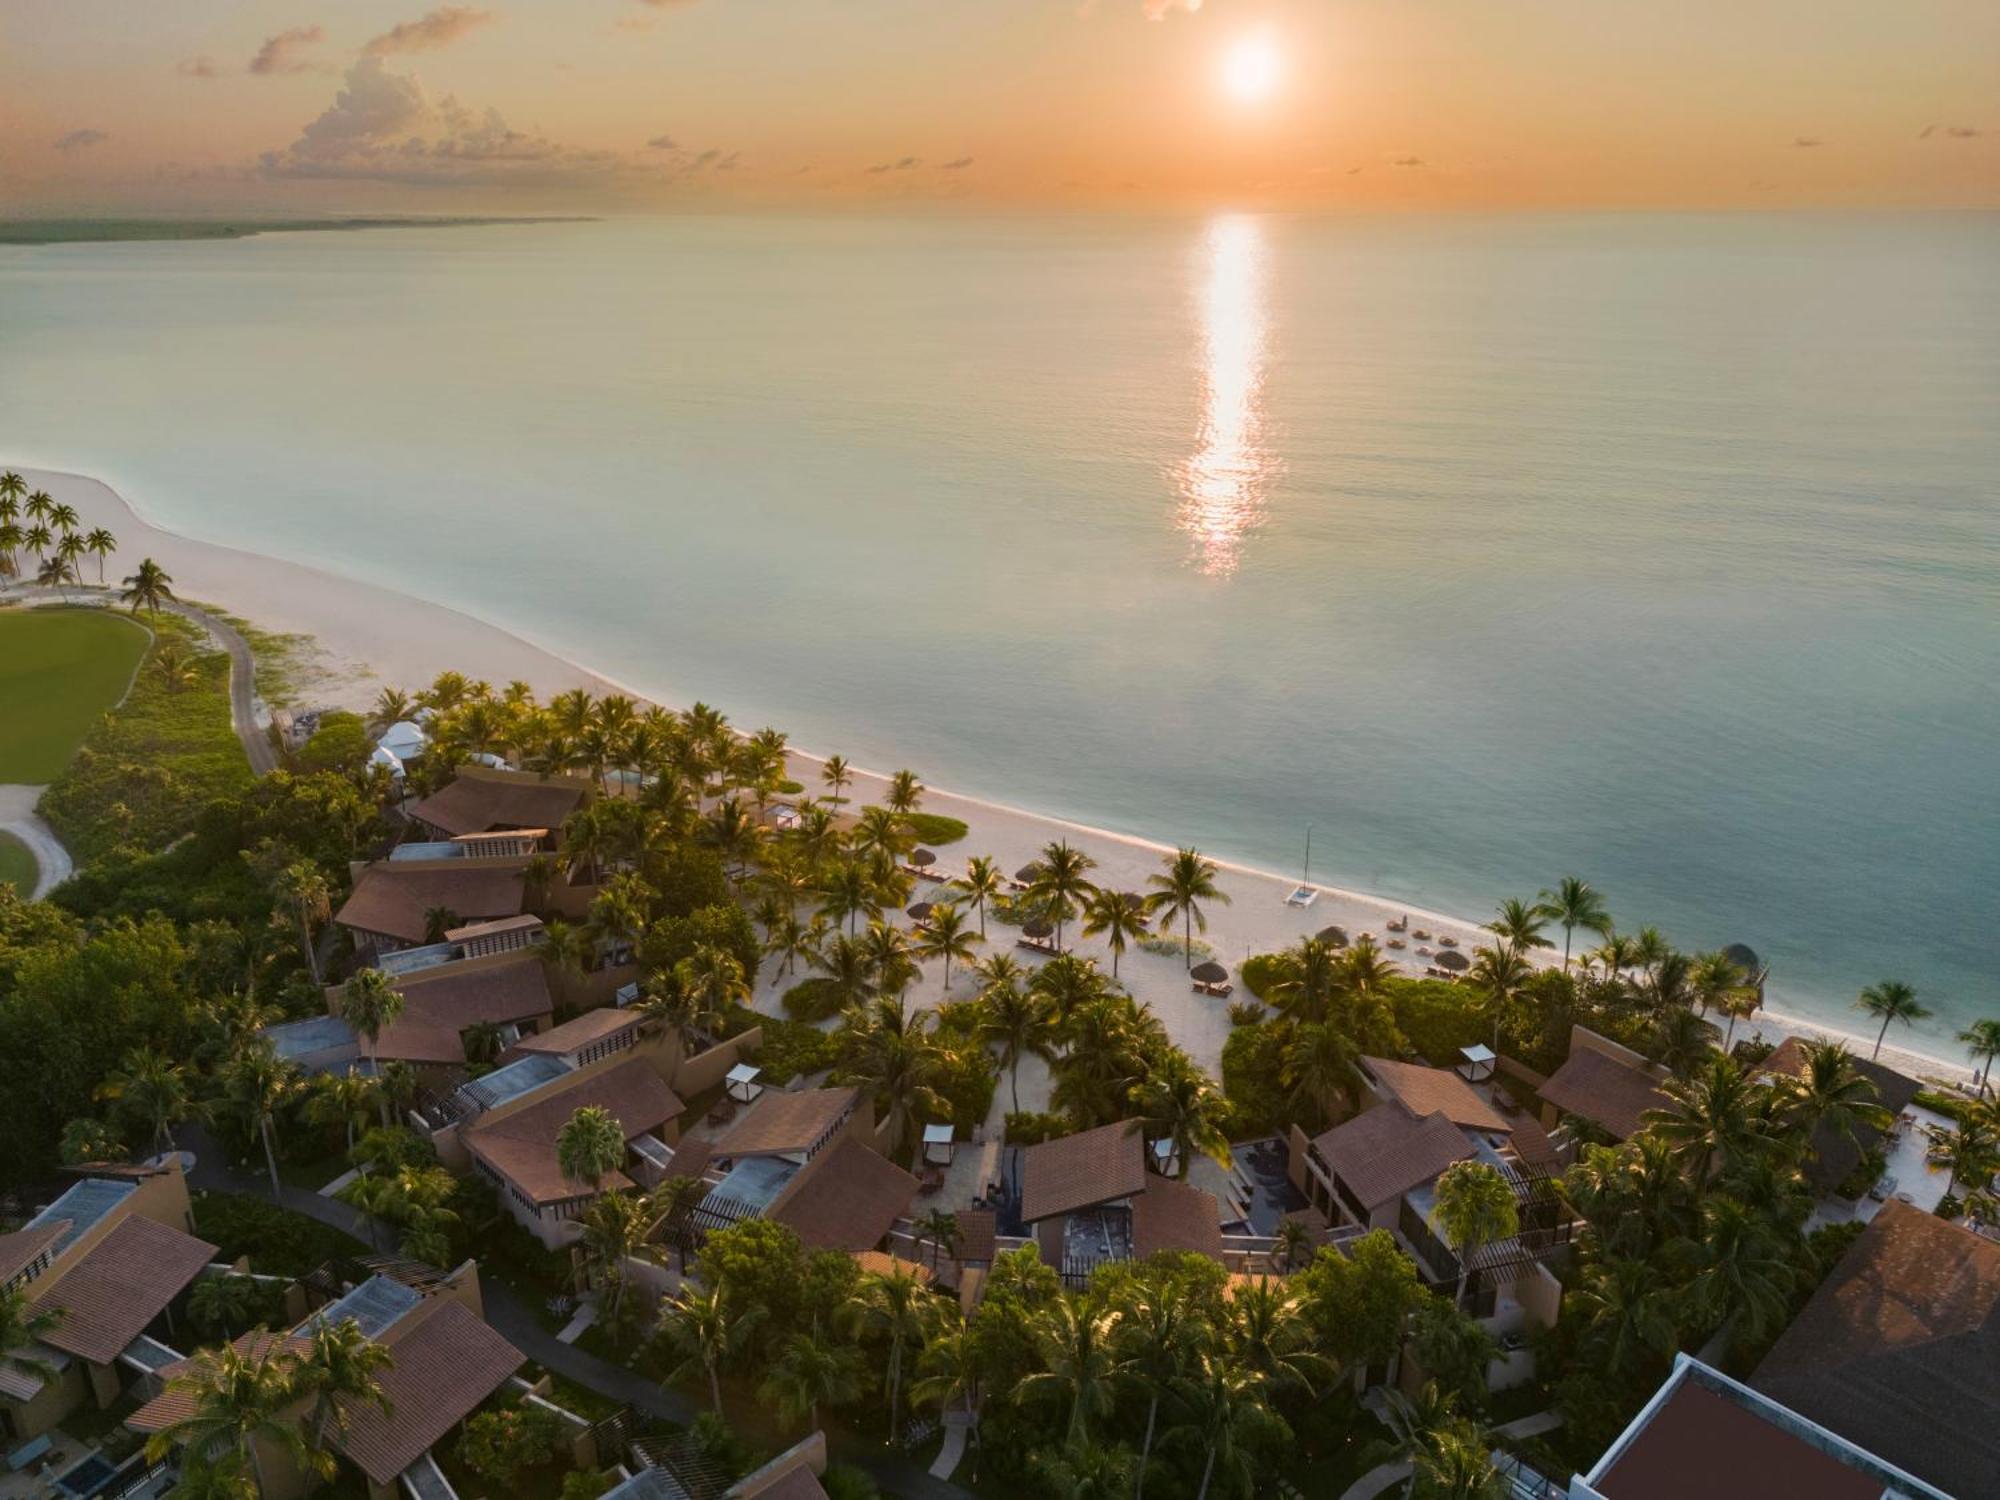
x=60, y=669
x=17, y=865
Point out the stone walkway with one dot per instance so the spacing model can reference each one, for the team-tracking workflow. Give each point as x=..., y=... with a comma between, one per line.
x=18, y=817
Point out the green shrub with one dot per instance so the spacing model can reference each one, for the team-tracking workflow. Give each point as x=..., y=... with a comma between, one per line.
x=790, y=788
x=1174, y=946
x=813, y=1000
x=340, y=743
x=793, y=1049
x=1250, y=1066
x=1951, y=1106
x=498, y=1445
x=845, y=1482
x=1259, y=972
x=935, y=828
x=1028, y=1128
x=278, y=1241
x=1439, y=1018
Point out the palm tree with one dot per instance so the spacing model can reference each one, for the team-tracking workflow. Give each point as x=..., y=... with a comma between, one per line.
x=1708, y=1116
x=222, y=1302
x=1970, y=1149
x=1270, y=1338
x=1077, y=1341
x=952, y=1364
x=938, y=1228
x=848, y=969
x=1179, y=890
x=789, y=941
x=153, y=1091
x=891, y=961
x=892, y=1305
x=615, y=1227
x=1831, y=1089
x=1178, y=1102
x=1308, y=978
x=150, y=586
x=1520, y=924
x=1475, y=1208
x=847, y=893
x=1573, y=904
x=895, y=1060
x=1224, y=1410
x=86, y=1140
x=904, y=793
x=1320, y=1065
x=982, y=881
x=1982, y=1040
x=1061, y=882
x=12, y=488
x=838, y=778
x=343, y=1099
x=69, y=551
x=258, y=1083
x=340, y=1368
x=1891, y=1000
x=1627, y=1313
x=53, y=574
x=811, y=1371
x=590, y=1146
x=1019, y=1021
x=1157, y=1337
x=392, y=706
x=238, y=1401
x=1413, y=1422
x=301, y=887
x=174, y=666
x=1499, y=973
x=946, y=936
x=713, y=981
x=368, y=1002
x=10, y=544
x=675, y=1199
x=21, y=1324
x=1746, y=1274
x=702, y=1331
x=1120, y=917
x=1293, y=1244
x=63, y=515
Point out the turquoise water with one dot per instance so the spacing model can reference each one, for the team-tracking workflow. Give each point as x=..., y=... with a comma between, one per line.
x=1664, y=550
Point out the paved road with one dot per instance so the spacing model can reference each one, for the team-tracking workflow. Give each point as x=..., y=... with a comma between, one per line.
x=17, y=816
x=524, y=1329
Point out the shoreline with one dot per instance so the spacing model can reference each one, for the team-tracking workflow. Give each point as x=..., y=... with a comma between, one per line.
x=363, y=635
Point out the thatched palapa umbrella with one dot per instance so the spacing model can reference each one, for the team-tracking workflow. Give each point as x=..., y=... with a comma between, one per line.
x=1037, y=928
x=1208, y=972
x=923, y=859
x=1333, y=937
x=1457, y=962
x=921, y=911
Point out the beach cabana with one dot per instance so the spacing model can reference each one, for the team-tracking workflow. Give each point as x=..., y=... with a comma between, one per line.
x=404, y=740
x=1210, y=978
x=1333, y=937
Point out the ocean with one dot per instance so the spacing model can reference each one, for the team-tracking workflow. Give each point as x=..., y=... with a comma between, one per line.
x=1664, y=550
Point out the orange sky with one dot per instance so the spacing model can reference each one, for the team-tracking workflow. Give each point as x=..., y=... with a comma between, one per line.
x=307, y=105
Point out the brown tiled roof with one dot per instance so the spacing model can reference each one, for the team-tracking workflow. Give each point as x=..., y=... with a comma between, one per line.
x=1383, y=1152
x=977, y=1228
x=459, y=995
x=19, y=1249
x=446, y=1364
x=1428, y=1090
x=521, y=1146
x=481, y=800
x=392, y=899
x=1172, y=1215
x=1603, y=1090
x=120, y=1285
x=1835, y=1153
x=846, y=1198
x=415, y=1041
x=1076, y=1171
x=1899, y=1350
x=691, y=1157
x=1699, y=1446
x=779, y=1123
x=591, y=1026
x=798, y=1484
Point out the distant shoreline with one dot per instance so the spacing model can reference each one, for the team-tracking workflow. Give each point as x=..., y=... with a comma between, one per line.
x=123, y=231
x=375, y=635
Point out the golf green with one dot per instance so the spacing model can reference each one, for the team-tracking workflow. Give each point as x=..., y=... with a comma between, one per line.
x=59, y=670
x=17, y=865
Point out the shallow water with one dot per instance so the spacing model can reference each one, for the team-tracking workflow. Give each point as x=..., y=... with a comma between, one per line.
x=1665, y=550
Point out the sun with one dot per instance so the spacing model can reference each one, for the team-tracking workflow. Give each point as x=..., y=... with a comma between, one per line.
x=1250, y=68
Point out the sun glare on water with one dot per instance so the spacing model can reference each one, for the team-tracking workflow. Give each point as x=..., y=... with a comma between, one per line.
x=1250, y=68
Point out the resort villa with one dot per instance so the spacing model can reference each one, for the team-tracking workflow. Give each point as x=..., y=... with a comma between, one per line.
x=1705, y=1435
x=111, y=1257
x=1606, y=1086
x=446, y=1362
x=484, y=977
x=1093, y=1197
x=1899, y=1351
x=1837, y=1153
x=1379, y=1170
x=483, y=801
x=808, y=1160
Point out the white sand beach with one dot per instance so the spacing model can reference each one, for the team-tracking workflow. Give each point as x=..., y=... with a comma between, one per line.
x=366, y=637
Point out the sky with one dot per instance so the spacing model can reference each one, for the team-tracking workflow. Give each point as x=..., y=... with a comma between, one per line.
x=205, y=107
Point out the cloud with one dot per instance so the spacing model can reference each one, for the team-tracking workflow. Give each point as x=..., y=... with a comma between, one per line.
x=1962, y=132
x=439, y=28
x=1806, y=142
x=199, y=67
x=1158, y=10
x=901, y=164
x=280, y=54
x=663, y=143
x=956, y=164
x=78, y=140
x=1408, y=161
x=382, y=126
